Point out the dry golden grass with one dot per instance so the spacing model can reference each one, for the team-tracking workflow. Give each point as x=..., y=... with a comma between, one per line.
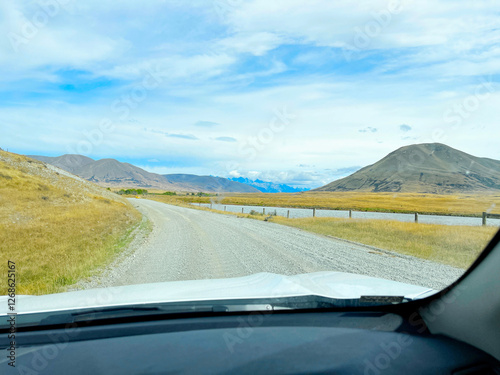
x=55, y=236
x=457, y=246
x=460, y=204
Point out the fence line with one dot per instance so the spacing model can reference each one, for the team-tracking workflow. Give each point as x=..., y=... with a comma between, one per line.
x=485, y=215
x=491, y=216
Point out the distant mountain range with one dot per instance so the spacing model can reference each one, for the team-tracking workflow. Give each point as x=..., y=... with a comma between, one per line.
x=423, y=168
x=268, y=187
x=112, y=173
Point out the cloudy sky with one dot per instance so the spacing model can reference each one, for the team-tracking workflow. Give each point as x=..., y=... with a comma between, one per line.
x=293, y=91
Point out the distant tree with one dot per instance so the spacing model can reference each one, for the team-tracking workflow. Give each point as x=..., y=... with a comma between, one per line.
x=133, y=192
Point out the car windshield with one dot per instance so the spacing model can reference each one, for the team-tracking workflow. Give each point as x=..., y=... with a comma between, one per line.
x=283, y=154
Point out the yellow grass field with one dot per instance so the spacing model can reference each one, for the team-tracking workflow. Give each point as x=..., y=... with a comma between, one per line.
x=462, y=204
x=457, y=246
x=56, y=234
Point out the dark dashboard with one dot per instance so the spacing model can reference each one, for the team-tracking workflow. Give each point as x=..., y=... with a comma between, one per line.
x=369, y=342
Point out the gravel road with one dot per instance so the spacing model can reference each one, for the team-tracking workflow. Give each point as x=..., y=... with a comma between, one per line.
x=187, y=244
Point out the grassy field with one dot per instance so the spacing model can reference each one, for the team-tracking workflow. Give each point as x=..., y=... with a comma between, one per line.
x=464, y=204
x=54, y=230
x=457, y=246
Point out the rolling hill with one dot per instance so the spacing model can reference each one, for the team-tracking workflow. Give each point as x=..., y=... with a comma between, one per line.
x=57, y=226
x=113, y=173
x=424, y=168
x=69, y=162
x=209, y=183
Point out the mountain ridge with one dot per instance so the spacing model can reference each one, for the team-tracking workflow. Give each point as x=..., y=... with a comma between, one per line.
x=423, y=168
x=113, y=173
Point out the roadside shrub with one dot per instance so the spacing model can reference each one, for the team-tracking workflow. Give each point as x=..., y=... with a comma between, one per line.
x=253, y=212
x=133, y=192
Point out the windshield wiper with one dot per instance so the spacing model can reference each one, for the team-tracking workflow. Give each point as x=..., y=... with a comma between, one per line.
x=120, y=312
x=106, y=314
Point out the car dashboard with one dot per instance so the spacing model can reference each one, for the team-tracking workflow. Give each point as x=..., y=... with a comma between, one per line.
x=340, y=342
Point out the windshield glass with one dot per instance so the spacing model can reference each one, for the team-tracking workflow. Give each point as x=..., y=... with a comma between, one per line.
x=244, y=149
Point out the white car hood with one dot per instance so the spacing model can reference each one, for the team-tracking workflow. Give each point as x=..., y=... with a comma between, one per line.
x=262, y=285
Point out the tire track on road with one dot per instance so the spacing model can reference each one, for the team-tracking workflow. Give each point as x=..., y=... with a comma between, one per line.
x=190, y=244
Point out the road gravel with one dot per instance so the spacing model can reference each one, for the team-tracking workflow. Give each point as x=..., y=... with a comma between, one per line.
x=189, y=244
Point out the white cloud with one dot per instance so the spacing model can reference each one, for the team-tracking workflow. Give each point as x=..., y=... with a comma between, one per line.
x=404, y=23
x=255, y=43
x=227, y=76
x=303, y=179
x=37, y=39
x=440, y=30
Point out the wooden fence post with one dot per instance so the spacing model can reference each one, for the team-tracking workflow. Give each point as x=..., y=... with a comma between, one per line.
x=224, y=208
x=242, y=208
x=350, y=214
x=288, y=214
x=264, y=210
x=484, y=218
x=314, y=212
x=416, y=217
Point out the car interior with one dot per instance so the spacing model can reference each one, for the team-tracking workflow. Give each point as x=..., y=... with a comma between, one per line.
x=452, y=332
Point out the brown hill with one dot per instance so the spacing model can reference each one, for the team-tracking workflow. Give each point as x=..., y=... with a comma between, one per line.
x=69, y=162
x=112, y=173
x=423, y=168
x=210, y=183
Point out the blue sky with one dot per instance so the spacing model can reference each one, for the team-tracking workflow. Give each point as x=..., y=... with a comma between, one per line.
x=291, y=91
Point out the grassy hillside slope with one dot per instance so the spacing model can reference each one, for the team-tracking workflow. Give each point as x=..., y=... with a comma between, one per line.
x=56, y=227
